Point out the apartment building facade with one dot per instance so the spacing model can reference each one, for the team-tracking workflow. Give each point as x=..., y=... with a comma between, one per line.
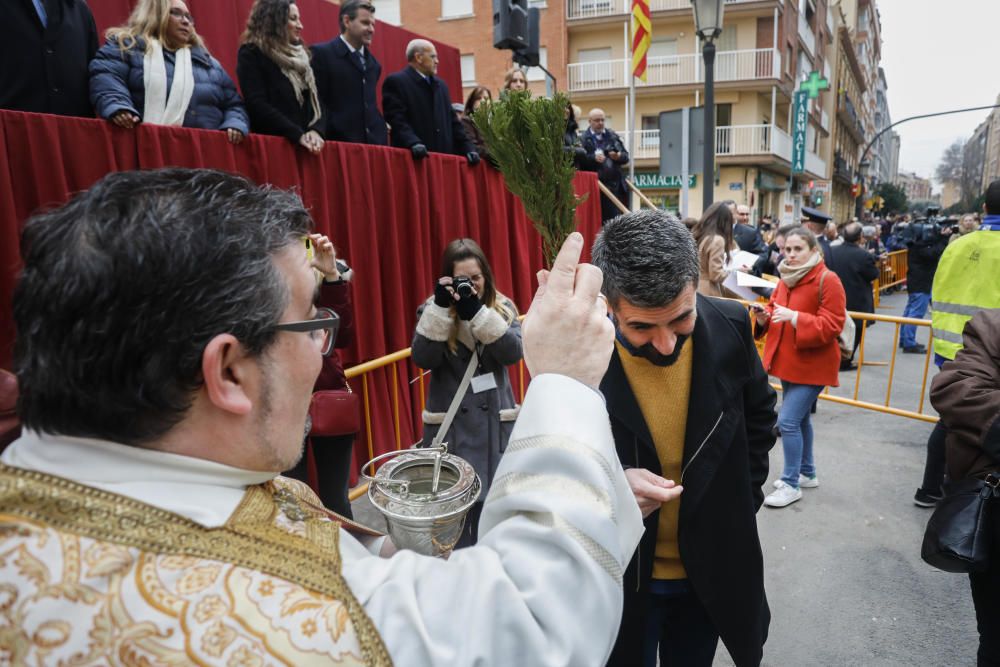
x=916, y=188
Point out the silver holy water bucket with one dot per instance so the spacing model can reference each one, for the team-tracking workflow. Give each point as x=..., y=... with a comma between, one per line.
x=424, y=514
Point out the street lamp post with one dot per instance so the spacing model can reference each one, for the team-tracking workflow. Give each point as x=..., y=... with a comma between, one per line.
x=863, y=169
x=708, y=25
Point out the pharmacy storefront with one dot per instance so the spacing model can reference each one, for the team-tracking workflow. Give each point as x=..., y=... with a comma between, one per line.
x=664, y=191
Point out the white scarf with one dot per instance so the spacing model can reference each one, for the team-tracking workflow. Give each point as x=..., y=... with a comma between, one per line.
x=161, y=109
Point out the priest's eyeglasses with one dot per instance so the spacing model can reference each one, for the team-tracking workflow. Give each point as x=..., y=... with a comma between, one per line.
x=322, y=328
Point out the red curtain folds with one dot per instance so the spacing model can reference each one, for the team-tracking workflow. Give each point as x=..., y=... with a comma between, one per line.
x=389, y=216
x=220, y=23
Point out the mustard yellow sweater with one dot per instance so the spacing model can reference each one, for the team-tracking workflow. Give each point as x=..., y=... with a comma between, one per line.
x=662, y=393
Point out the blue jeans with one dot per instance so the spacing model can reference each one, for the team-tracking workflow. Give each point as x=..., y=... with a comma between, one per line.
x=916, y=307
x=796, y=430
x=678, y=628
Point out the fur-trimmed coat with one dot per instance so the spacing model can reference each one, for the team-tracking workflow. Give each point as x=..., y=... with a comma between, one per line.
x=482, y=425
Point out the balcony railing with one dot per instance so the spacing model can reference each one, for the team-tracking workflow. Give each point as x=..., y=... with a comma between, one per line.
x=685, y=69
x=586, y=9
x=733, y=141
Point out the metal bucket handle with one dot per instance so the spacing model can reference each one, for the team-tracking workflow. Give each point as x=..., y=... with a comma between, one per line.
x=403, y=485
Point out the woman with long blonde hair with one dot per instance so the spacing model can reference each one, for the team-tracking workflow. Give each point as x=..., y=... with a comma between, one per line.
x=467, y=322
x=156, y=69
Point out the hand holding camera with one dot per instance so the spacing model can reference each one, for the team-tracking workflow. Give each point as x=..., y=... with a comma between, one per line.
x=468, y=303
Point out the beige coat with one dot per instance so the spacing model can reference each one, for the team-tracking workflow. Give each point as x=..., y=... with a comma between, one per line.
x=712, y=266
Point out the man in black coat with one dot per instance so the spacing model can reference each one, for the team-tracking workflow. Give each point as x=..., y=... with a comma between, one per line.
x=347, y=75
x=925, y=242
x=691, y=414
x=45, y=51
x=605, y=153
x=418, y=107
x=856, y=269
x=748, y=238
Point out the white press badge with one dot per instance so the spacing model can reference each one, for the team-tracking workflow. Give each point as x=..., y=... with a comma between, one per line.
x=484, y=382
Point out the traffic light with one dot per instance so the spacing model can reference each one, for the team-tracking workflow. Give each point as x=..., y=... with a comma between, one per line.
x=818, y=198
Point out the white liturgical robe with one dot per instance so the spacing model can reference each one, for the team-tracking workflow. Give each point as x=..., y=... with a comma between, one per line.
x=542, y=587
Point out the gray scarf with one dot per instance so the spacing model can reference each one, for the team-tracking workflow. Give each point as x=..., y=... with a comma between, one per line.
x=293, y=60
x=791, y=275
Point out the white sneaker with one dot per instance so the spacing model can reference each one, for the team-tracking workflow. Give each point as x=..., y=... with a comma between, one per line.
x=785, y=495
x=804, y=482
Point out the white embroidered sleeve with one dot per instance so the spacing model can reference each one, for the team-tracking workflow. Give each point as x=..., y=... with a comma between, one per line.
x=543, y=587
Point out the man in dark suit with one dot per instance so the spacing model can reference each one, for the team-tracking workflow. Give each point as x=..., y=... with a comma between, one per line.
x=347, y=75
x=856, y=269
x=747, y=238
x=45, y=51
x=691, y=414
x=418, y=108
x=815, y=221
x=606, y=154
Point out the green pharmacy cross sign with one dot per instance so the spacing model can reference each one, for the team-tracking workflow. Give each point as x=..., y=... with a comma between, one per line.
x=809, y=90
x=814, y=84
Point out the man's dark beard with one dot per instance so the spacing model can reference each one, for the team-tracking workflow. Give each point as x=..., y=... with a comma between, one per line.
x=651, y=354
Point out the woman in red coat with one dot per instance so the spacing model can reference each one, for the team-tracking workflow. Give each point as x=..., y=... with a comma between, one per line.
x=802, y=321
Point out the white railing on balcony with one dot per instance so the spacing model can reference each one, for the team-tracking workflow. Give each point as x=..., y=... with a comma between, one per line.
x=824, y=120
x=806, y=33
x=586, y=9
x=685, y=69
x=732, y=141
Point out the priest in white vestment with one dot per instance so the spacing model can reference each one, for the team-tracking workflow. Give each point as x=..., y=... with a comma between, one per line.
x=167, y=346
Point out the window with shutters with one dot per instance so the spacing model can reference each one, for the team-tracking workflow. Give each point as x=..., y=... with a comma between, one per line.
x=455, y=8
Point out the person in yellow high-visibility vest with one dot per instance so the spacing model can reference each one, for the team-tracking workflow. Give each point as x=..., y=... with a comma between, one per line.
x=965, y=283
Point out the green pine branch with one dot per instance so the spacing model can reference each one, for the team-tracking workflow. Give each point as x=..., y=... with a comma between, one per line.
x=525, y=139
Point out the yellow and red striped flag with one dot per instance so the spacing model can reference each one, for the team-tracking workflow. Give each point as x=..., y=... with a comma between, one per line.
x=642, y=31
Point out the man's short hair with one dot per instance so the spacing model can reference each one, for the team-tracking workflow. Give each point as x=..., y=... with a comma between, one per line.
x=124, y=286
x=852, y=232
x=415, y=46
x=993, y=198
x=350, y=9
x=648, y=258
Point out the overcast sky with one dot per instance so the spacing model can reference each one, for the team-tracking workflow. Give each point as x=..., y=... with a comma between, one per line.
x=938, y=55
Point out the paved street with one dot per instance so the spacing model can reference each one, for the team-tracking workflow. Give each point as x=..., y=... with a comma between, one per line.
x=843, y=571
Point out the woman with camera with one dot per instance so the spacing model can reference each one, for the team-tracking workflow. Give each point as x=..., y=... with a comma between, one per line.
x=802, y=321
x=467, y=329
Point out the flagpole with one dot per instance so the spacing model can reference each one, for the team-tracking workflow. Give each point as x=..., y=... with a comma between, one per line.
x=633, y=146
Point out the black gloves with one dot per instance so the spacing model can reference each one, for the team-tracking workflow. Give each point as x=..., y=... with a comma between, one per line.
x=473, y=158
x=419, y=151
x=467, y=307
x=442, y=297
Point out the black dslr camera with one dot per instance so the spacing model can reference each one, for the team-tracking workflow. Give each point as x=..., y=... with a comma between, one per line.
x=463, y=287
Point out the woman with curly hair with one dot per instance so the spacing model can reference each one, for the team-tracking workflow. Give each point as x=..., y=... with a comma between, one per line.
x=276, y=76
x=155, y=69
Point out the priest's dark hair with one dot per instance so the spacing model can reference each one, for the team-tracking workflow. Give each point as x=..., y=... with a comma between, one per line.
x=648, y=258
x=125, y=285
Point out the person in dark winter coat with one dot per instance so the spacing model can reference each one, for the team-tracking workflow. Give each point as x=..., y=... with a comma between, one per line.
x=691, y=414
x=348, y=74
x=332, y=454
x=45, y=53
x=276, y=78
x=749, y=239
x=606, y=154
x=418, y=109
x=571, y=138
x=478, y=95
x=856, y=269
x=924, y=244
x=452, y=325
x=966, y=393
x=205, y=97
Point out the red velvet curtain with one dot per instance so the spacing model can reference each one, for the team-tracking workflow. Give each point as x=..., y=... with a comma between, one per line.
x=220, y=23
x=389, y=216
